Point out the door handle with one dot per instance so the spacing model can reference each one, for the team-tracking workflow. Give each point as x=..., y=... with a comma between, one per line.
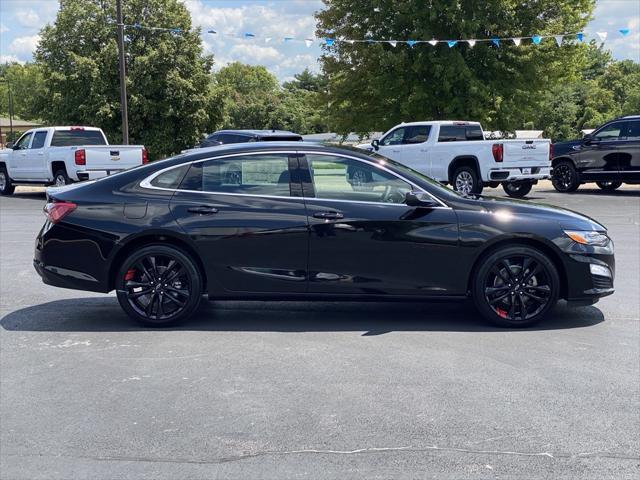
x=203, y=210
x=328, y=215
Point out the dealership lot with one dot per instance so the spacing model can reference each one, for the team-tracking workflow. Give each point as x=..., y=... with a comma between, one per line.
x=322, y=390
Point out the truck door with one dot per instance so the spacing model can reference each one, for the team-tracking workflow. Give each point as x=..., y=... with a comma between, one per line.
x=414, y=148
x=18, y=165
x=391, y=144
x=598, y=157
x=36, y=161
x=629, y=153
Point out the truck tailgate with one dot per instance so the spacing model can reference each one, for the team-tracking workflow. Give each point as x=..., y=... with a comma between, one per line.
x=112, y=157
x=526, y=152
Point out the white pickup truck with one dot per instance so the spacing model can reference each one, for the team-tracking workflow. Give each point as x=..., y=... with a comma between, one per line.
x=457, y=153
x=61, y=155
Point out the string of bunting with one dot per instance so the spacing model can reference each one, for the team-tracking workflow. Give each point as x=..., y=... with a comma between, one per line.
x=496, y=41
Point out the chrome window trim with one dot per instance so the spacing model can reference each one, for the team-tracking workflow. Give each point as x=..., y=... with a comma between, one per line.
x=146, y=183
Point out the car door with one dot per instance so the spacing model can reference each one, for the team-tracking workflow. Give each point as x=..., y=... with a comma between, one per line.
x=391, y=146
x=364, y=240
x=246, y=215
x=36, y=156
x=598, y=155
x=629, y=152
x=19, y=158
x=414, y=146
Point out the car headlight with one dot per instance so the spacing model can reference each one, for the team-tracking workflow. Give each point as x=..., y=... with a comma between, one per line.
x=588, y=237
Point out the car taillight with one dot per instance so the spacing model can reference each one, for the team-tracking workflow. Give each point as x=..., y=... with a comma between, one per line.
x=145, y=156
x=498, y=152
x=56, y=211
x=550, y=151
x=81, y=157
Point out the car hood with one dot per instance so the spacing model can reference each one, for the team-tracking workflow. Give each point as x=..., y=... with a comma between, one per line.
x=508, y=208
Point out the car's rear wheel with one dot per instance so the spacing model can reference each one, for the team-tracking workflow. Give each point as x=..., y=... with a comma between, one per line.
x=565, y=178
x=466, y=181
x=6, y=185
x=60, y=178
x=159, y=286
x=515, y=286
x=517, y=189
x=609, y=186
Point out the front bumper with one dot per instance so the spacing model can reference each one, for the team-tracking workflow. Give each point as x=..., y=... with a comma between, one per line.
x=586, y=268
x=514, y=174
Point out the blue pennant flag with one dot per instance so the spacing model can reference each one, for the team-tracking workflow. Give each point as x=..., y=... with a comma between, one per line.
x=495, y=41
x=580, y=36
x=536, y=39
x=452, y=43
x=136, y=25
x=249, y=35
x=176, y=30
x=411, y=43
x=211, y=31
x=329, y=41
x=288, y=39
x=624, y=31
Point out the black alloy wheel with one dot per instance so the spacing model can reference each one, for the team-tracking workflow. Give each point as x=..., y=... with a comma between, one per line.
x=516, y=287
x=565, y=177
x=609, y=186
x=517, y=189
x=159, y=286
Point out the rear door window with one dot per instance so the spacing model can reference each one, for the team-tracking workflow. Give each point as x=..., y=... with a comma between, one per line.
x=452, y=133
x=633, y=130
x=77, y=137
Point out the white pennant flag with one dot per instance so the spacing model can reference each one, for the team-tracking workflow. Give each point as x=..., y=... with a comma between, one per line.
x=517, y=41
x=393, y=43
x=308, y=42
x=471, y=43
x=267, y=40
x=602, y=35
x=559, y=39
x=433, y=42
x=350, y=41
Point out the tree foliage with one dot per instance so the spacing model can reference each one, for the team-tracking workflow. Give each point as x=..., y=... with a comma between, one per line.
x=27, y=90
x=169, y=96
x=374, y=86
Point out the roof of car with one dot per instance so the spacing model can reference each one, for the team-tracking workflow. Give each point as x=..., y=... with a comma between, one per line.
x=260, y=133
x=440, y=122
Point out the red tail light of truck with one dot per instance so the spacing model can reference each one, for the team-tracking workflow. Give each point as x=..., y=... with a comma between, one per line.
x=498, y=152
x=81, y=157
x=145, y=156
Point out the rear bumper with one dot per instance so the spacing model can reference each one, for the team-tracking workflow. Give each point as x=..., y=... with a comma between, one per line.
x=83, y=175
x=514, y=174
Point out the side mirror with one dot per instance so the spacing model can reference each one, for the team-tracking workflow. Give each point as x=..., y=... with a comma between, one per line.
x=375, y=144
x=10, y=145
x=588, y=139
x=419, y=200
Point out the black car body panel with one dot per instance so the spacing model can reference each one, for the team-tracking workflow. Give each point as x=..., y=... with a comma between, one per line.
x=299, y=245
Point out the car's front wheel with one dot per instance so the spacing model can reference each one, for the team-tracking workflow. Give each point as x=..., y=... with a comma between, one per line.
x=609, y=186
x=515, y=286
x=159, y=285
x=565, y=178
x=517, y=189
x=6, y=185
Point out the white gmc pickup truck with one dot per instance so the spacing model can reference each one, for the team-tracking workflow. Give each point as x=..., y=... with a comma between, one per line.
x=457, y=153
x=61, y=155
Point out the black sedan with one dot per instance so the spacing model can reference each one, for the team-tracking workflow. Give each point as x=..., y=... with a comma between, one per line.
x=276, y=221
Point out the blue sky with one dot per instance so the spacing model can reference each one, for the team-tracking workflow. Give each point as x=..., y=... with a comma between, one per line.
x=21, y=20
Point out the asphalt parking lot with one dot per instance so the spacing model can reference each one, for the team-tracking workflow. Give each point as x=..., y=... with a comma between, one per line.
x=318, y=390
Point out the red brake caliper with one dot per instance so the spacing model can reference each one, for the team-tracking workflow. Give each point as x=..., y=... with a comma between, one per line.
x=130, y=274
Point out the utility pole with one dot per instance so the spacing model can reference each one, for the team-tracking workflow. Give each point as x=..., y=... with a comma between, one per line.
x=123, y=74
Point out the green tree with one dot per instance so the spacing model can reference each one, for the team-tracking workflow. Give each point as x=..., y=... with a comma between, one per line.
x=373, y=86
x=170, y=100
x=27, y=90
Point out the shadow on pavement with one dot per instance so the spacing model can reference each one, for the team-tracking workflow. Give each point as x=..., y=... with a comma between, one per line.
x=103, y=314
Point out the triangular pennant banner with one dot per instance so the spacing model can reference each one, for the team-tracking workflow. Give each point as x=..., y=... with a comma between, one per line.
x=411, y=43
x=393, y=43
x=351, y=42
x=517, y=41
x=580, y=36
x=308, y=42
x=329, y=41
x=536, y=39
x=433, y=42
x=495, y=41
x=287, y=39
x=452, y=43
x=211, y=31
x=559, y=39
x=471, y=43
x=624, y=31
x=602, y=36
x=267, y=40
x=249, y=35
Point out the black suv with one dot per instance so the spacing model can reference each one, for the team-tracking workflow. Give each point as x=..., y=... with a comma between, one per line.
x=223, y=137
x=610, y=156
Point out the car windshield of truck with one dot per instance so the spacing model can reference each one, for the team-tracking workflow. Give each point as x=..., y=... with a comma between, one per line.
x=77, y=137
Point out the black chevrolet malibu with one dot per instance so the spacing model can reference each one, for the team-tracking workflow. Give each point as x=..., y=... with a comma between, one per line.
x=277, y=221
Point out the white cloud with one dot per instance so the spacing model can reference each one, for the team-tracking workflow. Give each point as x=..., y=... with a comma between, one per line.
x=3, y=28
x=10, y=59
x=28, y=18
x=612, y=15
x=24, y=46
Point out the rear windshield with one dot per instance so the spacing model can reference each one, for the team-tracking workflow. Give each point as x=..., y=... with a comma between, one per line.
x=72, y=138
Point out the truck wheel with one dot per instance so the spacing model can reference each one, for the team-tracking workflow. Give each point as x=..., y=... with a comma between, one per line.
x=6, y=185
x=60, y=178
x=609, y=186
x=517, y=189
x=565, y=177
x=466, y=181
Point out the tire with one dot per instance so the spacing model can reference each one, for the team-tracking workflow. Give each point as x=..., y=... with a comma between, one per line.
x=517, y=189
x=609, y=186
x=565, y=178
x=515, y=304
x=60, y=178
x=6, y=184
x=163, y=304
x=465, y=180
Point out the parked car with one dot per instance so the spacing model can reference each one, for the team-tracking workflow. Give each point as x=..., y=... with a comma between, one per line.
x=61, y=155
x=291, y=226
x=457, y=153
x=609, y=156
x=223, y=137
